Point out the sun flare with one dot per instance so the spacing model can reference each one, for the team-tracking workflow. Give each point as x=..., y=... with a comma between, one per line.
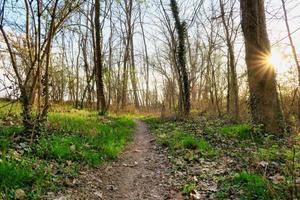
x=278, y=61
x=275, y=58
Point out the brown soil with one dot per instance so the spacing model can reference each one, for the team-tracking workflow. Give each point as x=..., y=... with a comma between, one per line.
x=139, y=174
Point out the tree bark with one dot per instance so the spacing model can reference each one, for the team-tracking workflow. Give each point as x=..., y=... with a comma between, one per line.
x=133, y=77
x=181, y=60
x=264, y=101
x=101, y=104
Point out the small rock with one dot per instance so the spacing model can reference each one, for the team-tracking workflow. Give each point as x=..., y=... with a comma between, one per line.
x=61, y=198
x=111, y=188
x=20, y=194
x=98, y=194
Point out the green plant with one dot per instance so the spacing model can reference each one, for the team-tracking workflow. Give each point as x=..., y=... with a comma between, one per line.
x=253, y=186
x=13, y=175
x=188, y=188
x=242, y=131
x=189, y=142
x=272, y=153
x=96, y=143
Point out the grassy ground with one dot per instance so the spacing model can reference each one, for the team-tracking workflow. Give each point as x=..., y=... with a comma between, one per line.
x=213, y=159
x=72, y=140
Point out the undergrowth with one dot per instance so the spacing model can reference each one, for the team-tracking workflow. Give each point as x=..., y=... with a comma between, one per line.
x=229, y=161
x=72, y=140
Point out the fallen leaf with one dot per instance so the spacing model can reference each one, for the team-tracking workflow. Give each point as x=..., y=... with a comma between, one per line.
x=195, y=195
x=73, y=148
x=20, y=194
x=263, y=163
x=277, y=178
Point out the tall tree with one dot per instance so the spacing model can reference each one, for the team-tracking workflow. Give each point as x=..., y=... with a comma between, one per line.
x=101, y=104
x=146, y=56
x=184, y=85
x=232, y=83
x=264, y=101
x=128, y=7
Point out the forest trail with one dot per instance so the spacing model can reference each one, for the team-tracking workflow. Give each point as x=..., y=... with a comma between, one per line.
x=139, y=174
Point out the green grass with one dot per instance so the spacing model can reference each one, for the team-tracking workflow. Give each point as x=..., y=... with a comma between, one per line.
x=9, y=107
x=24, y=173
x=249, y=186
x=91, y=141
x=175, y=138
x=181, y=140
x=270, y=154
x=242, y=131
x=70, y=141
x=253, y=186
x=14, y=176
x=87, y=148
x=6, y=132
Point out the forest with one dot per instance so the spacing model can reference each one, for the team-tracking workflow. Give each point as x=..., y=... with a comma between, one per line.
x=149, y=99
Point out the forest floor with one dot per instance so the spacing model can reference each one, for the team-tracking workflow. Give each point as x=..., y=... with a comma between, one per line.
x=213, y=158
x=81, y=155
x=141, y=172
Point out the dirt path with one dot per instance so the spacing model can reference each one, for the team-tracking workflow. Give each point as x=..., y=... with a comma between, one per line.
x=139, y=174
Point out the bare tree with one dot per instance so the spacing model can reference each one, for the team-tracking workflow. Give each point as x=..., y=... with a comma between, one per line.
x=31, y=58
x=230, y=36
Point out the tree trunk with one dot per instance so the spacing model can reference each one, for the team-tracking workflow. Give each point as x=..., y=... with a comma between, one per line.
x=133, y=77
x=146, y=58
x=181, y=59
x=264, y=101
x=232, y=84
x=101, y=104
x=128, y=11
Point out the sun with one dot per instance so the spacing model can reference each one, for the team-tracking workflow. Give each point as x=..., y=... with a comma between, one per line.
x=278, y=61
x=275, y=58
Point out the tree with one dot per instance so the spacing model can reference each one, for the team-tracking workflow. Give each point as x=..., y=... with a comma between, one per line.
x=101, y=104
x=184, y=85
x=264, y=101
x=233, y=90
x=30, y=59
